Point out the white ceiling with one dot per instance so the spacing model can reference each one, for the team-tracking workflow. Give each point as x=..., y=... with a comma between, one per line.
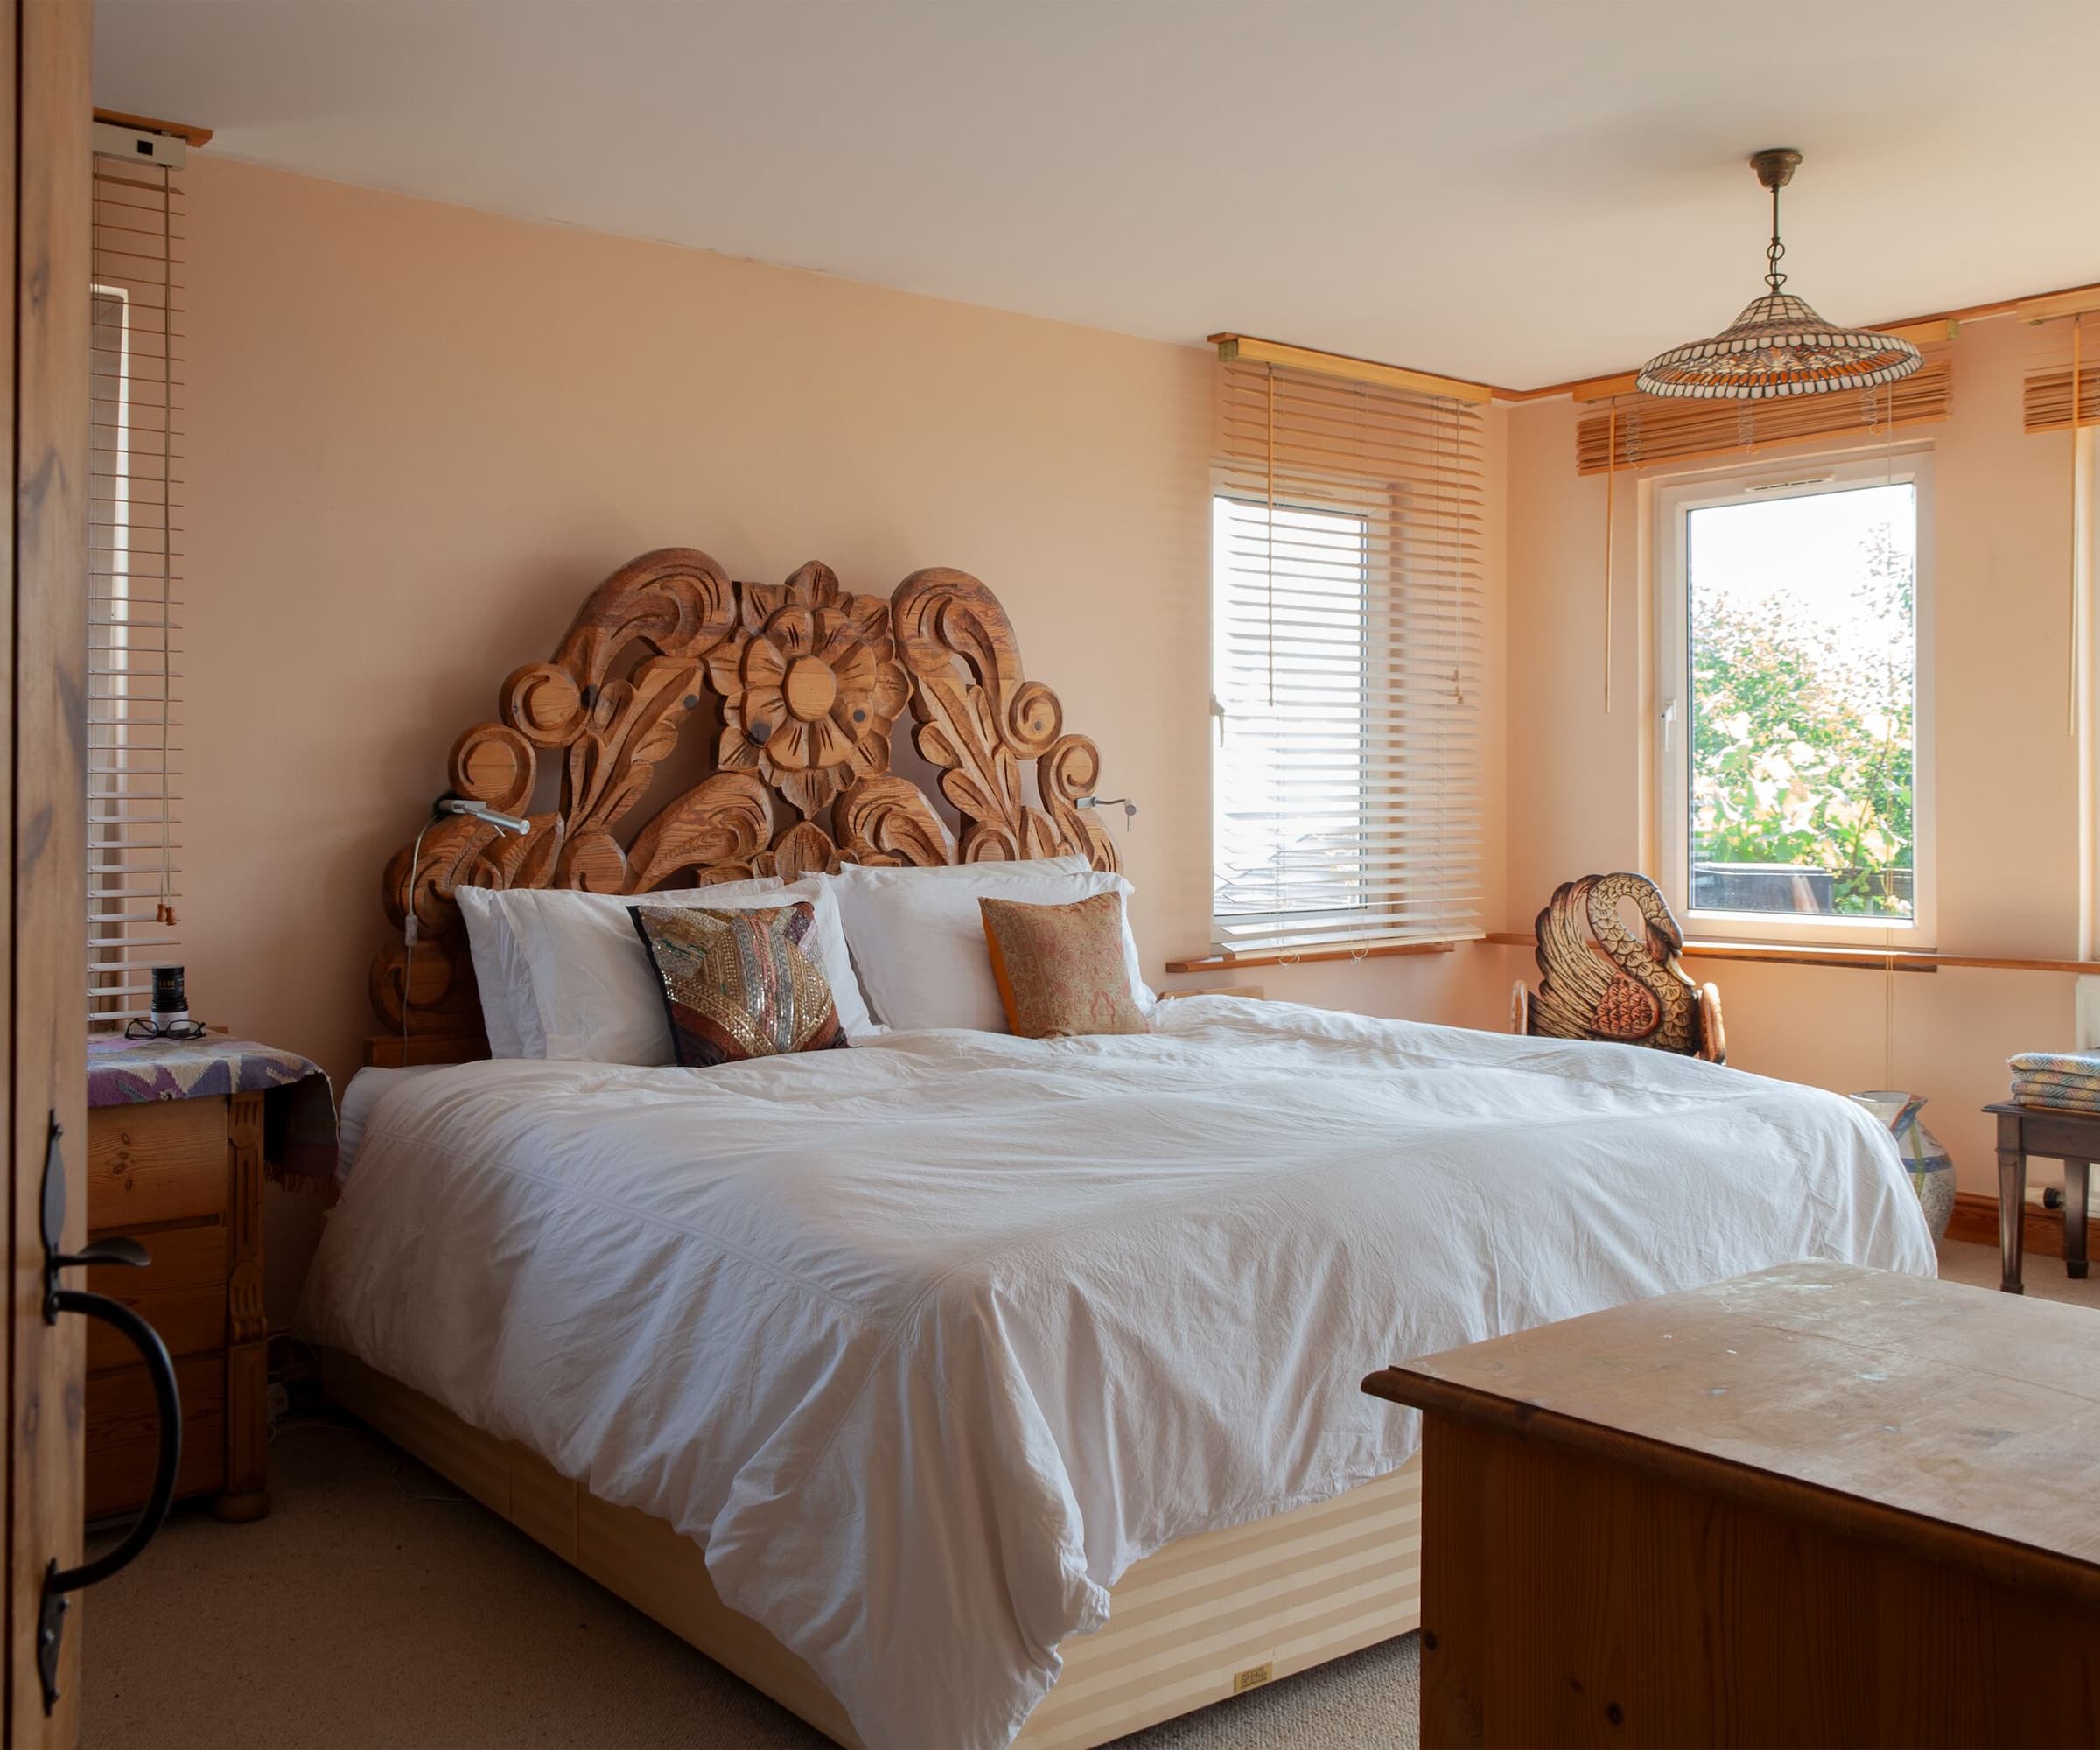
x=1521, y=191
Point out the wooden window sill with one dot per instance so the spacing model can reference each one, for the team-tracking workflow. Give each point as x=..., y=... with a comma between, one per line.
x=1306, y=956
x=1865, y=959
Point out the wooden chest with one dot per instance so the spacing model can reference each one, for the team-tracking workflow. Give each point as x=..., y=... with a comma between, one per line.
x=1820, y=1505
x=184, y=1177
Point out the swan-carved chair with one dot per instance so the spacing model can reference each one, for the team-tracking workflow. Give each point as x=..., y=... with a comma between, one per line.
x=1600, y=981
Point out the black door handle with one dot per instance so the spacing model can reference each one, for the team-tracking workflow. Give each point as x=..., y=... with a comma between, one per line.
x=167, y=1399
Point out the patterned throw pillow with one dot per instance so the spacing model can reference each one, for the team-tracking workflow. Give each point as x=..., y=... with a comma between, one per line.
x=739, y=984
x=1061, y=968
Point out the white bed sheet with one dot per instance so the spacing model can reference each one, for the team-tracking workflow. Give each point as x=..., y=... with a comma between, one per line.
x=928, y=1341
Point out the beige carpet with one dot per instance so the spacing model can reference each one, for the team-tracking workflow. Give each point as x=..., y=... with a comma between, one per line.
x=376, y=1606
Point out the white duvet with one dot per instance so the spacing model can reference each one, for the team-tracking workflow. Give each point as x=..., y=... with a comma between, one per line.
x=928, y=1341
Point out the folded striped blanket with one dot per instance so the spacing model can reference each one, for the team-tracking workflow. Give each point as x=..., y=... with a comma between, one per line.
x=2046, y=1078
x=2080, y=1063
x=2073, y=1094
x=2068, y=1079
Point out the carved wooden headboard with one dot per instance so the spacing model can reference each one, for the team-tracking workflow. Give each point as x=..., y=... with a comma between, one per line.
x=810, y=679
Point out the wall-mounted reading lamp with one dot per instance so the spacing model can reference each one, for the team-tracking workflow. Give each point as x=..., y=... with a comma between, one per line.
x=447, y=804
x=1129, y=807
x=481, y=811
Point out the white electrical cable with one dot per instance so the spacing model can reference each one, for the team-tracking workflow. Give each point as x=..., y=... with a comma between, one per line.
x=445, y=805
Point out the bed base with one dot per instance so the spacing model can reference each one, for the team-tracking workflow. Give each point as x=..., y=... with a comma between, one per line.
x=1206, y=1618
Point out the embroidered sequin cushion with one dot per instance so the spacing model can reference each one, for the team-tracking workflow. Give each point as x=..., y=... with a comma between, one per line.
x=1061, y=968
x=739, y=984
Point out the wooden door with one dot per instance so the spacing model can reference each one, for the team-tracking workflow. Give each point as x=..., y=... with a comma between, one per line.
x=45, y=187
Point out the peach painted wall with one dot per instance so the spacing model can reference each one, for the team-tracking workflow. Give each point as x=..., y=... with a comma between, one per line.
x=419, y=435
x=2007, y=785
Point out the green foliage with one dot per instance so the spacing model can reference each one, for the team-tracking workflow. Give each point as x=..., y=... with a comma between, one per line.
x=1802, y=752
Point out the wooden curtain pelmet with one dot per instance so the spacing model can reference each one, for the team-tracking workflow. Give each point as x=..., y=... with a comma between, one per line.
x=1348, y=529
x=1635, y=431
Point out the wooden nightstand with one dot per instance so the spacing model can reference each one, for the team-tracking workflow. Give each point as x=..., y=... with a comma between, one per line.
x=186, y=1178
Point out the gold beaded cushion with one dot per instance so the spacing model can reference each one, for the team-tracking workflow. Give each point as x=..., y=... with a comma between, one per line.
x=1062, y=969
x=739, y=984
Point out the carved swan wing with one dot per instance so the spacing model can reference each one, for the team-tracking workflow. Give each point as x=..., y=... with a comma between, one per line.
x=1600, y=981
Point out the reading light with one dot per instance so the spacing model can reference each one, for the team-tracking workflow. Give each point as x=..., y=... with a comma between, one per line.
x=1129, y=807
x=481, y=811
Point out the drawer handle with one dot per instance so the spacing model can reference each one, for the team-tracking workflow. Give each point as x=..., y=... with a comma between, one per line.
x=167, y=1400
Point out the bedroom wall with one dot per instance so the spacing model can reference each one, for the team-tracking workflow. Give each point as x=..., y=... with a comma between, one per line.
x=418, y=435
x=2008, y=775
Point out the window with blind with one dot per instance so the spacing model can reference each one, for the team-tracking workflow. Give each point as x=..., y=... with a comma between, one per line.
x=1346, y=577
x=133, y=730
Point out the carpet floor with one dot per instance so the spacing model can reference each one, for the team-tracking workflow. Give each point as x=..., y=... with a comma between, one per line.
x=378, y=1608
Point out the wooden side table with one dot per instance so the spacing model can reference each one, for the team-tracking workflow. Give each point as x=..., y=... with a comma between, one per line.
x=185, y=1177
x=176, y=1141
x=2052, y=1132
x=1820, y=1505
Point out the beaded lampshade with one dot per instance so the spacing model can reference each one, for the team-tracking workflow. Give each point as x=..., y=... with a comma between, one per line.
x=1779, y=346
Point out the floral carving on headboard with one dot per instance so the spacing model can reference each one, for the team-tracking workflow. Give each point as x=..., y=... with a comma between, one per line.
x=812, y=680
x=809, y=686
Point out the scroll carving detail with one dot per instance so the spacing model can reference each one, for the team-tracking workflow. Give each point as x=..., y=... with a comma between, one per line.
x=979, y=719
x=811, y=679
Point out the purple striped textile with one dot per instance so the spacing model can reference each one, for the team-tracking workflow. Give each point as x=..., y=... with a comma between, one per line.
x=299, y=1106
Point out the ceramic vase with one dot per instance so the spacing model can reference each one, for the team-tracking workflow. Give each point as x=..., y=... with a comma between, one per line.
x=1930, y=1167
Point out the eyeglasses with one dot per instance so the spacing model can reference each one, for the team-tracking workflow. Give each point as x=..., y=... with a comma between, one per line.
x=136, y=1029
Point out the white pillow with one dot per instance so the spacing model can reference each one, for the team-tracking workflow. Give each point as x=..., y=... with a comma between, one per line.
x=597, y=995
x=918, y=936
x=509, y=1014
x=504, y=980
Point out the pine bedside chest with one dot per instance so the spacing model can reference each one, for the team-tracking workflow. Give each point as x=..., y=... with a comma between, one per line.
x=175, y=1159
x=184, y=1177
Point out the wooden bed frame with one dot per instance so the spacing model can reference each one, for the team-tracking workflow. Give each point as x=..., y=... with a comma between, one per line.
x=809, y=680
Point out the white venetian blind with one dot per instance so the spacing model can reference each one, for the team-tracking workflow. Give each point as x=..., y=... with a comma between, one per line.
x=133, y=730
x=1345, y=623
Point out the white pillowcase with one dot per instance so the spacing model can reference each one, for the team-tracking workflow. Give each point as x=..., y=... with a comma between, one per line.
x=500, y=975
x=918, y=936
x=509, y=1015
x=597, y=996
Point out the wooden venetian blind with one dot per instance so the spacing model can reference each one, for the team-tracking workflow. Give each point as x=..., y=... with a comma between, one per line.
x=133, y=676
x=1654, y=428
x=2046, y=402
x=1345, y=655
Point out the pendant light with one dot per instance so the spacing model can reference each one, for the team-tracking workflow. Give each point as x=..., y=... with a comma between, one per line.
x=1778, y=345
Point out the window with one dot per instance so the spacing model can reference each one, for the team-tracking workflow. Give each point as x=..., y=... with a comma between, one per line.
x=1293, y=767
x=134, y=727
x=1794, y=721
x=1344, y=635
